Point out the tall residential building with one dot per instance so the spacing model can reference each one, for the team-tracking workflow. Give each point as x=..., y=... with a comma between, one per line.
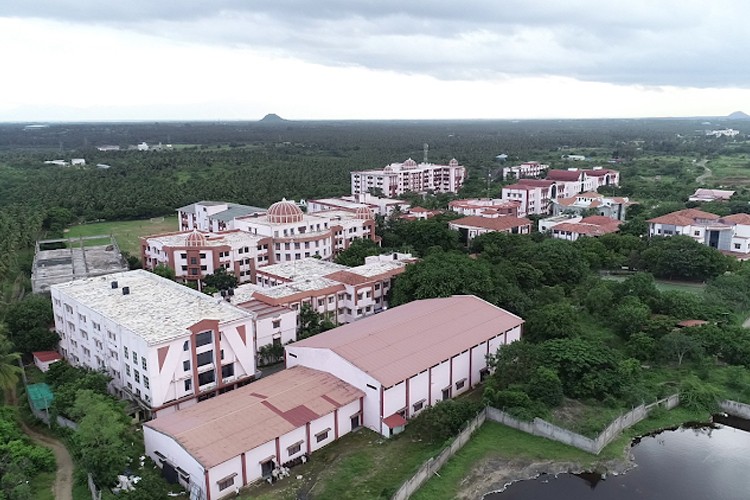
x=534, y=196
x=409, y=176
x=165, y=345
x=528, y=169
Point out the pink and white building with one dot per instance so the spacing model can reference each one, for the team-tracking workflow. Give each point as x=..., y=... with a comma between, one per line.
x=165, y=345
x=410, y=176
x=533, y=196
x=574, y=181
x=473, y=226
x=412, y=356
x=595, y=225
x=528, y=169
x=379, y=206
x=485, y=207
x=614, y=207
x=730, y=234
x=213, y=216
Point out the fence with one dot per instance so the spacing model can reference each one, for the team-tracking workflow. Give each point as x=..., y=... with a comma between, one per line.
x=433, y=465
x=736, y=409
x=539, y=427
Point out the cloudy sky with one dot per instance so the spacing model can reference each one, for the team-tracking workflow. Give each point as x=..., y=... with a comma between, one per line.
x=79, y=60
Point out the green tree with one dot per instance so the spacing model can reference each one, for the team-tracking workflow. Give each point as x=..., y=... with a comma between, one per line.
x=443, y=275
x=681, y=257
x=10, y=372
x=32, y=312
x=164, y=271
x=444, y=420
x=545, y=386
x=357, y=252
x=220, y=280
x=677, y=344
x=630, y=316
x=551, y=321
x=100, y=440
x=312, y=322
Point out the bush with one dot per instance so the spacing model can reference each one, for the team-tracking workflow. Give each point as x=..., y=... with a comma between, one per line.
x=444, y=420
x=698, y=395
x=545, y=386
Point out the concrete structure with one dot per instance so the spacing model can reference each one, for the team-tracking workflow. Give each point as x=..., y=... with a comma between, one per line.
x=575, y=181
x=727, y=132
x=213, y=216
x=548, y=223
x=730, y=234
x=230, y=441
x=473, y=226
x=244, y=243
x=409, y=176
x=165, y=345
x=43, y=359
x=379, y=206
x=412, y=356
x=612, y=207
x=78, y=259
x=341, y=294
x=528, y=169
x=702, y=194
x=419, y=213
x=533, y=196
x=194, y=254
x=485, y=207
x=595, y=225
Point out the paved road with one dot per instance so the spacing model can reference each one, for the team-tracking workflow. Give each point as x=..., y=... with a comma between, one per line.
x=63, y=487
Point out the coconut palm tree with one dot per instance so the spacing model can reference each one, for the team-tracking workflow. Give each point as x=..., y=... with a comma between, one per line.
x=9, y=369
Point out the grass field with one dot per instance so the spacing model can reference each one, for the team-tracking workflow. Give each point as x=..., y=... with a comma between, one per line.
x=125, y=232
x=665, y=285
x=730, y=170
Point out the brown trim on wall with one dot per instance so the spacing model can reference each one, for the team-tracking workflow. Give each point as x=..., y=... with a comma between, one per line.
x=194, y=363
x=244, y=469
x=208, y=485
x=407, y=397
x=307, y=431
x=335, y=423
x=278, y=452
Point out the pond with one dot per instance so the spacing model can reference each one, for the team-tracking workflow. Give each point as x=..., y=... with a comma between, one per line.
x=689, y=463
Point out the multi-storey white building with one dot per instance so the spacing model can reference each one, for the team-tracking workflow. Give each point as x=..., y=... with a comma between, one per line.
x=473, y=226
x=165, y=345
x=366, y=201
x=409, y=176
x=612, y=207
x=574, y=181
x=527, y=169
x=485, y=207
x=213, y=216
x=193, y=254
x=282, y=234
x=534, y=196
x=730, y=234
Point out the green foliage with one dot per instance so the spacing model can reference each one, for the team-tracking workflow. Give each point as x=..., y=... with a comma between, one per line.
x=545, y=386
x=164, y=271
x=552, y=321
x=421, y=236
x=681, y=257
x=642, y=346
x=311, y=322
x=676, y=345
x=630, y=316
x=100, y=441
x=271, y=353
x=444, y=420
x=357, y=251
x=10, y=372
x=442, y=275
x=698, y=395
x=28, y=322
x=219, y=280
x=67, y=381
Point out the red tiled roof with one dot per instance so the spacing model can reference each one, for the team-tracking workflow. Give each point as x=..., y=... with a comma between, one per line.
x=394, y=421
x=583, y=229
x=46, y=356
x=564, y=175
x=520, y=187
x=599, y=172
x=692, y=322
x=536, y=182
x=600, y=220
x=683, y=217
x=230, y=424
x=743, y=219
x=393, y=345
x=492, y=223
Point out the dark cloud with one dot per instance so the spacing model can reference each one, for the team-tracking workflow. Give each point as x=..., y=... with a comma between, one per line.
x=686, y=43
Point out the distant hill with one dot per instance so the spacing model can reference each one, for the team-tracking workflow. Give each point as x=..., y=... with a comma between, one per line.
x=739, y=115
x=272, y=118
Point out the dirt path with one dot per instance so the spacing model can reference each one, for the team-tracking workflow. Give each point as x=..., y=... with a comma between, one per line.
x=63, y=487
x=706, y=172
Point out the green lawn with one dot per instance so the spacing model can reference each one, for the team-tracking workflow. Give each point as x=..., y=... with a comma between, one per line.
x=126, y=233
x=729, y=170
x=664, y=285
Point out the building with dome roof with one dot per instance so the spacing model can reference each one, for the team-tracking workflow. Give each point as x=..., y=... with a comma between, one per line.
x=283, y=233
x=410, y=176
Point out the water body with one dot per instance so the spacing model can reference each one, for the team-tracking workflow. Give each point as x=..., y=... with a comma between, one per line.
x=702, y=463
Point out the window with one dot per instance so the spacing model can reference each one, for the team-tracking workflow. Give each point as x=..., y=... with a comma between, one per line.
x=203, y=338
x=447, y=393
x=322, y=436
x=460, y=384
x=135, y=357
x=202, y=255
x=184, y=346
x=206, y=377
x=186, y=365
x=143, y=363
x=295, y=448
x=227, y=371
x=205, y=358
x=188, y=384
x=183, y=256
x=127, y=370
x=226, y=483
x=418, y=405
x=146, y=383
x=193, y=260
x=277, y=323
x=125, y=351
x=737, y=246
x=137, y=376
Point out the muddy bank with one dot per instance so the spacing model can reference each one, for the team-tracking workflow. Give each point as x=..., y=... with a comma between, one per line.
x=495, y=473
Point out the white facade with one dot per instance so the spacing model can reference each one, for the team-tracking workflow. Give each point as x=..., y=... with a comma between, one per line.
x=532, y=196
x=213, y=216
x=527, y=169
x=164, y=345
x=399, y=178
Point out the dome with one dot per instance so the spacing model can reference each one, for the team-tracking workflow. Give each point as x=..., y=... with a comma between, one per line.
x=363, y=213
x=195, y=239
x=284, y=212
x=409, y=163
x=453, y=163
